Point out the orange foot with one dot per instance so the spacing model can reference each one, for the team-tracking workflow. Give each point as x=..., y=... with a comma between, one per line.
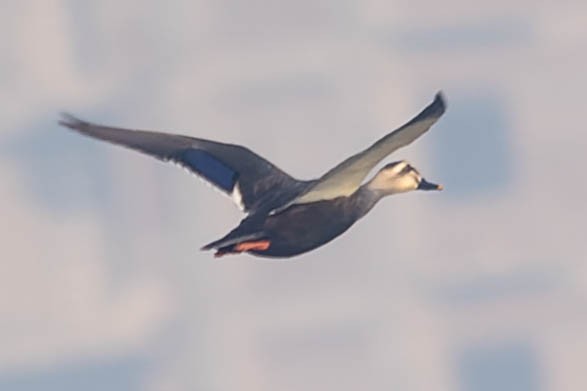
x=259, y=245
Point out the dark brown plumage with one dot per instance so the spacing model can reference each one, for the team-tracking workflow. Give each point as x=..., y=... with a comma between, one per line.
x=286, y=216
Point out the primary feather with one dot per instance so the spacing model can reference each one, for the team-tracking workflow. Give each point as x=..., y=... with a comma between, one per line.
x=345, y=178
x=251, y=181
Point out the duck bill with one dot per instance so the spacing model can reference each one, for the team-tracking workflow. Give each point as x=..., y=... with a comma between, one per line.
x=425, y=185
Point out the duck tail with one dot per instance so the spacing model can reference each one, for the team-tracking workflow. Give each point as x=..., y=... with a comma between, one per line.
x=230, y=240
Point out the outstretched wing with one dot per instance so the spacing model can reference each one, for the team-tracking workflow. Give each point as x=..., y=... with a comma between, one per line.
x=345, y=179
x=249, y=179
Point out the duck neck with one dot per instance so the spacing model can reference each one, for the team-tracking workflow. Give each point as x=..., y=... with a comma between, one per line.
x=365, y=198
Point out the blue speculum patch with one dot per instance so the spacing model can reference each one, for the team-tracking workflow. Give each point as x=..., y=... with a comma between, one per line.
x=210, y=168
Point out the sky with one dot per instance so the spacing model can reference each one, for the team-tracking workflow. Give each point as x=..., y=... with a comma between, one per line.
x=480, y=287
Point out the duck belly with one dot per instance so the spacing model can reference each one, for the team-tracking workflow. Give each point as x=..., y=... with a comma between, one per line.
x=304, y=228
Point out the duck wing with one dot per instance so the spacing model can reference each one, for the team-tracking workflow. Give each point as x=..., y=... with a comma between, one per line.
x=345, y=179
x=251, y=181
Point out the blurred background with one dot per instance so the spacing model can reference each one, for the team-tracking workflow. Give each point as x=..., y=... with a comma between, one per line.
x=480, y=287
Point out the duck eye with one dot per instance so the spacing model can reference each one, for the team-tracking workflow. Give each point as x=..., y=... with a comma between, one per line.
x=406, y=169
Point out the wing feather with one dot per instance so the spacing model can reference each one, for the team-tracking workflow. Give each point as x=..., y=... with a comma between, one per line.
x=345, y=178
x=233, y=169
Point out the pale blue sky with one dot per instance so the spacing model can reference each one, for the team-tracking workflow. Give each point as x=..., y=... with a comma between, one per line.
x=103, y=285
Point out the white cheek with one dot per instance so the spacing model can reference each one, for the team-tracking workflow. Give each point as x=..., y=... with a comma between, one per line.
x=404, y=184
x=412, y=183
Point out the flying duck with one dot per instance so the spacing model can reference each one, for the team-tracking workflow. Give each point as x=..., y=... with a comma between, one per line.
x=285, y=216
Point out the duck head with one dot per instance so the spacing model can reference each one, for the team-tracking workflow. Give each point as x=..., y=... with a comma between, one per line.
x=399, y=177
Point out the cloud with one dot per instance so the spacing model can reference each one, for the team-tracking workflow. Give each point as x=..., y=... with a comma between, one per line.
x=56, y=291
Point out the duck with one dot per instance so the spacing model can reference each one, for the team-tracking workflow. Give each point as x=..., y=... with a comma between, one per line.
x=284, y=216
